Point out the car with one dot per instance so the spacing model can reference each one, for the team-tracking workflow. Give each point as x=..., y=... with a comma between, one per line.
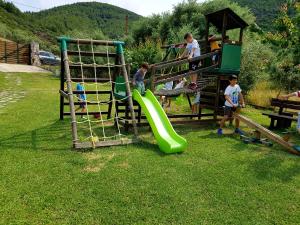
x=48, y=58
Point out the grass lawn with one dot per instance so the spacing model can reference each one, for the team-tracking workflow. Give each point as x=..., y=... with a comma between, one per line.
x=217, y=180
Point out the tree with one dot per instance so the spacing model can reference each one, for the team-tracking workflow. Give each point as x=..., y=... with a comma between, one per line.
x=286, y=68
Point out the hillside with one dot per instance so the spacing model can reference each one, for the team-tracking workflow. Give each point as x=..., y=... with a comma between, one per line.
x=265, y=11
x=92, y=19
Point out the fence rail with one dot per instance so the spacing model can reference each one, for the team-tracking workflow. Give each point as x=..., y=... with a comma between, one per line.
x=14, y=53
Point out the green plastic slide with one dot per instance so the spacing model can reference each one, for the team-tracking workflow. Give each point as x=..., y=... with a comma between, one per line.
x=167, y=138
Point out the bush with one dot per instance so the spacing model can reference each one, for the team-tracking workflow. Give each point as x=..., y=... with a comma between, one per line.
x=256, y=58
x=149, y=52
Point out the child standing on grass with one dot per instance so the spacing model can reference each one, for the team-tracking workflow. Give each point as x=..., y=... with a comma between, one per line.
x=196, y=103
x=167, y=87
x=138, y=79
x=234, y=102
x=192, y=50
x=81, y=98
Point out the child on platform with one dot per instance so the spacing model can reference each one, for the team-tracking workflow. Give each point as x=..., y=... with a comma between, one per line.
x=81, y=98
x=138, y=79
x=234, y=102
x=214, y=46
x=192, y=50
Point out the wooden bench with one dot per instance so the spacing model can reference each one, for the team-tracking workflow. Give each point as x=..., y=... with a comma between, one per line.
x=282, y=119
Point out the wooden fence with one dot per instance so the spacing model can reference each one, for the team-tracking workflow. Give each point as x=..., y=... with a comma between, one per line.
x=14, y=53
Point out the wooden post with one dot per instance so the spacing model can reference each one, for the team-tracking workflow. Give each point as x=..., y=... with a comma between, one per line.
x=18, y=54
x=5, y=51
x=62, y=87
x=218, y=81
x=129, y=94
x=70, y=91
x=152, y=78
x=224, y=27
x=206, y=35
x=241, y=36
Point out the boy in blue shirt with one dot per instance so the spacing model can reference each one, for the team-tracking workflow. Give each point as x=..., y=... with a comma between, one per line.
x=81, y=98
x=138, y=79
x=234, y=102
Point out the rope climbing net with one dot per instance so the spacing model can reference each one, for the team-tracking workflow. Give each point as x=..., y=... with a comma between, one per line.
x=95, y=137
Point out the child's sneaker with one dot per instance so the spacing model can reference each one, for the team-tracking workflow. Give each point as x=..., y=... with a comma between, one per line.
x=238, y=131
x=192, y=86
x=220, y=131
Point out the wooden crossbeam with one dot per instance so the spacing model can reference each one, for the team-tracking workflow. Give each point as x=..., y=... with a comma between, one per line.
x=177, y=77
x=89, y=103
x=269, y=134
x=84, y=113
x=86, y=53
x=86, y=145
x=89, y=41
x=89, y=80
x=185, y=60
x=90, y=92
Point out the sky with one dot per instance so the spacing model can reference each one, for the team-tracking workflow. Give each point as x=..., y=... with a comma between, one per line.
x=141, y=7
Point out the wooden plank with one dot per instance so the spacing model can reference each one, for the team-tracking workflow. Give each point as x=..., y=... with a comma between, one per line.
x=276, y=115
x=89, y=80
x=184, y=61
x=85, y=145
x=269, y=134
x=185, y=74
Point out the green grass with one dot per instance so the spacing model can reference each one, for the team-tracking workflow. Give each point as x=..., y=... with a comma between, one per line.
x=215, y=181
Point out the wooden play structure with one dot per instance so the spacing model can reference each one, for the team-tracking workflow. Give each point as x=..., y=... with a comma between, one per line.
x=100, y=68
x=212, y=78
x=96, y=65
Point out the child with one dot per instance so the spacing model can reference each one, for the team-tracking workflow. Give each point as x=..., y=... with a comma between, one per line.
x=234, y=100
x=192, y=50
x=196, y=103
x=81, y=98
x=294, y=94
x=138, y=79
x=168, y=86
x=214, y=46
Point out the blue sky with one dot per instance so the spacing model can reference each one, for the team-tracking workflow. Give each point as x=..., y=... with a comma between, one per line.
x=142, y=7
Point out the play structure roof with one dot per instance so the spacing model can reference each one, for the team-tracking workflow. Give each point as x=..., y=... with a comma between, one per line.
x=233, y=20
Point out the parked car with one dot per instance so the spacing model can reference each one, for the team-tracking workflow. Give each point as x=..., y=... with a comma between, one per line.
x=48, y=58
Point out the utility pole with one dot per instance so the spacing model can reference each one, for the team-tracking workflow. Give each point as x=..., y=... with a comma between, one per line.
x=126, y=25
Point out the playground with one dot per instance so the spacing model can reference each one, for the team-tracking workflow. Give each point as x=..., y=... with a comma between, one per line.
x=124, y=159
x=215, y=181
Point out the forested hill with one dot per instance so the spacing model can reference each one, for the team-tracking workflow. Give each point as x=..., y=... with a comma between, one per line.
x=85, y=16
x=265, y=11
x=83, y=20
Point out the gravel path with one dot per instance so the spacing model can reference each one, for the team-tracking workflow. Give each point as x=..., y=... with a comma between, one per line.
x=18, y=68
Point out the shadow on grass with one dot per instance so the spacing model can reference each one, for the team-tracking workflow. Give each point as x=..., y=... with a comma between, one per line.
x=273, y=163
x=53, y=137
